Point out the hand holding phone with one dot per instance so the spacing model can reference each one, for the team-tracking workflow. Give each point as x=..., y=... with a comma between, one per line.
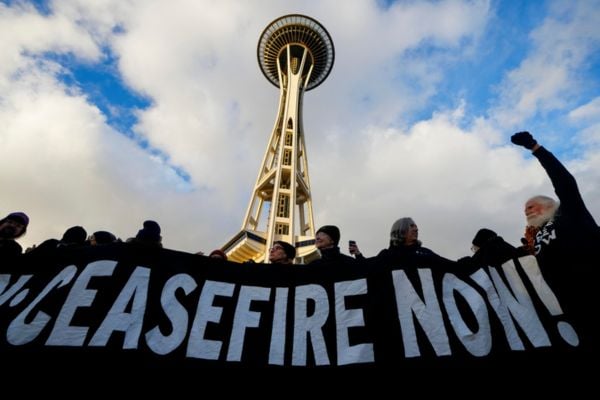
x=352, y=248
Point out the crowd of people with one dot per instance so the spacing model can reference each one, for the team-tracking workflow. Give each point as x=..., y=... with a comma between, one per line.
x=561, y=234
x=558, y=232
x=555, y=230
x=14, y=225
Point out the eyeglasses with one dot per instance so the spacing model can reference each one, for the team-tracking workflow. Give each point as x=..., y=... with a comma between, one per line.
x=276, y=247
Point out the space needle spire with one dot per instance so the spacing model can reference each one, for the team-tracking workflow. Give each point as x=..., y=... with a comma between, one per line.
x=296, y=54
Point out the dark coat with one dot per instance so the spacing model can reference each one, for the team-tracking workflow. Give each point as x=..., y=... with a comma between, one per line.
x=333, y=256
x=413, y=255
x=9, y=248
x=567, y=248
x=494, y=253
x=573, y=232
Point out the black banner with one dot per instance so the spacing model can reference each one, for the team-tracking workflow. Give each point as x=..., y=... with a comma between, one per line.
x=133, y=307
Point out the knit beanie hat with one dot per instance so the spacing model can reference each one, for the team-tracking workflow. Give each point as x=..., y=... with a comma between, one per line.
x=19, y=217
x=332, y=231
x=290, y=251
x=150, y=232
x=483, y=236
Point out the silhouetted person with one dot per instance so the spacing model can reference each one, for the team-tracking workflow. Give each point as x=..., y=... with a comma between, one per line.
x=102, y=237
x=12, y=227
x=74, y=236
x=489, y=249
x=148, y=235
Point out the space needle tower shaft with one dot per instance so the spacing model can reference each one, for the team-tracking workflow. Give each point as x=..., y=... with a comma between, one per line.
x=296, y=54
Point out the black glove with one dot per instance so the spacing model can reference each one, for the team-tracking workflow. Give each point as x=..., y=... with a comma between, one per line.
x=523, y=139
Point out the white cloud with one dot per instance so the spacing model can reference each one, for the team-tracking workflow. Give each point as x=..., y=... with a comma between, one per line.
x=550, y=75
x=24, y=34
x=588, y=111
x=212, y=111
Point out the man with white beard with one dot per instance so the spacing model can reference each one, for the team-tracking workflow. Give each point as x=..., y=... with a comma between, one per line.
x=566, y=243
x=562, y=227
x=539, y=210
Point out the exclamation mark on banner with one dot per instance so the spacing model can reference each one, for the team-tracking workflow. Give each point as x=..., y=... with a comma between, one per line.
x=532, y=269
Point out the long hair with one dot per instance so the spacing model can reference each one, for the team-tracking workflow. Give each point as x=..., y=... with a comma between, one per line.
x=399, y=230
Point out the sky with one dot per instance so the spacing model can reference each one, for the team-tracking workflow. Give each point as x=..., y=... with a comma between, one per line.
x=117, y=111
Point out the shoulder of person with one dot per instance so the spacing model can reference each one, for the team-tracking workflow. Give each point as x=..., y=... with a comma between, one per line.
x=425, y=251
x=465, y=260
x=10, y=248
x=347, y=258
x=383, y=253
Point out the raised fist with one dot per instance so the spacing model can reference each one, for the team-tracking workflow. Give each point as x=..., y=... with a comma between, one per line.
x=523, y=139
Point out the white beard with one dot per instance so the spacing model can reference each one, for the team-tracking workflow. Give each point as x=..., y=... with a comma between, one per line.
x=539, y=220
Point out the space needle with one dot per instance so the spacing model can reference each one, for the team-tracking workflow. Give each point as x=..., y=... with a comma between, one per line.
x=295, y=54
